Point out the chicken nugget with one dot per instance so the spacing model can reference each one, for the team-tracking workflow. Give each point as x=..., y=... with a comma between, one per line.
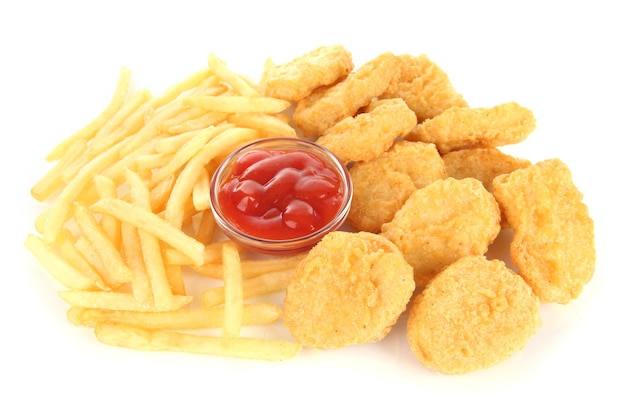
x=483, y=164
x=349, y=289
x=381, y=186
x=473, y=315
x=369, y=134
x=465, y=127
x=424, y=86
x=553, y=240
x=324, y=107
x=443, y=222
x=296, y=79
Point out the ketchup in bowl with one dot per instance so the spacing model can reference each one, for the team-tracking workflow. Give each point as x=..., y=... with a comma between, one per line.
x=280, y=195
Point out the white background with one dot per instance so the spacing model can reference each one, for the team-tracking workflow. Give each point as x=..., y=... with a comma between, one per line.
x=59, y=63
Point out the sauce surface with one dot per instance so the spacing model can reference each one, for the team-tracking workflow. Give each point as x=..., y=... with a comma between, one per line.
x=280, y=194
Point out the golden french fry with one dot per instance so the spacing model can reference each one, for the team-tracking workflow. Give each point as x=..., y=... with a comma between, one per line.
x=117, y=301
x=206, y=229
x=272, y=125
x=233, y=293
x=112, y=259
x=263, y=284
x=107, y=188
x=87, y=132
x=201, y=191
x=73, y=256
x=245, y=348
x=236, y=81
x=183, y=319
x=176, y=90
x=252, y=267
x=150, y=245
x=153, y=224
x=238, y=104
x=53, y=179
x=131, y=246
x=57, y=267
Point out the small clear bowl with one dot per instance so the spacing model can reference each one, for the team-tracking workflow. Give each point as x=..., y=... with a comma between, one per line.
x=286, y=246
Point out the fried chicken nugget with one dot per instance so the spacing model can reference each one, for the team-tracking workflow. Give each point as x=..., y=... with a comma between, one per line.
x=483, y=164
x=350, y=289
x=324, y=107
x=553, y=241
x=296, y=79
x=473, y=315
x=382, y=185
x=369, y=134
x=443, y=222
x=465, y=127
x=424, y=86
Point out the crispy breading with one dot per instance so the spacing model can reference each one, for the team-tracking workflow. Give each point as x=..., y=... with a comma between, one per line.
x=324, y=107
x=473, y=315
x=296, y=79
x=369, y=134
x=484, y=127
x=443, y=222
x=350, y=289
x=381, y=186
x=424, y=86
x=483, y=164
x=553, y=242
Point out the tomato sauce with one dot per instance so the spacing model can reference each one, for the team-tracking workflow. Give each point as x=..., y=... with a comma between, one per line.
x=280, y=194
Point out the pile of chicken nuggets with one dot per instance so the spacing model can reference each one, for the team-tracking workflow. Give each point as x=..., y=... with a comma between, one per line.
x=432, y=191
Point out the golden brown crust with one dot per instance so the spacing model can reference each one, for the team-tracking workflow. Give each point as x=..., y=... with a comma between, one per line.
x=369, y=134
x=424, y=86
x=553, y=243
x=473, y=315
x=465, y=127
x=296, y=79
x=483, y=164
x=350, y=289
x=443, y=222
x=381, y=186
x=324, y=107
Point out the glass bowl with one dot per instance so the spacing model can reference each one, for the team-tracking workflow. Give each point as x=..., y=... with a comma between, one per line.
x=258, y=241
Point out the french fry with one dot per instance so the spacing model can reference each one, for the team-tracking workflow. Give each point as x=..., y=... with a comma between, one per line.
x=131, y=246
x=57, y=267
x=184, y=319
x=186, y=84
x=253, y=267
x=88, y=131
x=272, y=125
x=201, y=191
x=150, y=245
x=233, y=293
x=112, y=259
x=206, y=229
x=263, y=284
x=244, y=348
x=117, y=301
x=238, y=104
x=69, y=252
x=236, y=81
x=152, y=223
x=53, y=179
x=107, y=188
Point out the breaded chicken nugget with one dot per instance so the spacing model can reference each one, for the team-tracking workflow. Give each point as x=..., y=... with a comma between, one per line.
x=296, y=79
x=424, y=86
x=553, y=242
x=350, y=289
x=369, y=134
x=483, y=164
x=465, y=127
x=381, y=186
x=443, y=222
x=473, y=315
x=323, y=108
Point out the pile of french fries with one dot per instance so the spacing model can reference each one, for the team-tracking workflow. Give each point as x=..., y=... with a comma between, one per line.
x=127, y=220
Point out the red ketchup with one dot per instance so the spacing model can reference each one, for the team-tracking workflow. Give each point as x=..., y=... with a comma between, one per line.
x=279, y=194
